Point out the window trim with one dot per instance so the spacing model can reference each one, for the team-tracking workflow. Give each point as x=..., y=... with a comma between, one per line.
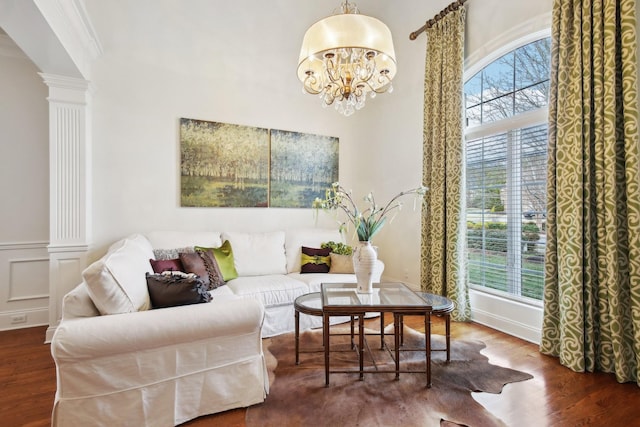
x=526, y=119
x=472, y=68
x=508, y=126
x=514, y=317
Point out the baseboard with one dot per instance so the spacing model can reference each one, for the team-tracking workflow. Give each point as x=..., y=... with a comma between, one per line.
x=26, y=319
x=511, y=317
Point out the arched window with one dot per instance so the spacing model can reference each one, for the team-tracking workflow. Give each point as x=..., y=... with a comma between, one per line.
x=506, y=153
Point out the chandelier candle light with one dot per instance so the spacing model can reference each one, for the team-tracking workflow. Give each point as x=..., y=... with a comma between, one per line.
x=367, y=223
x=346, y=56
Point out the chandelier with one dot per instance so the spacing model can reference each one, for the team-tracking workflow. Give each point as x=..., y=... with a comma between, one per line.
x=346, y=57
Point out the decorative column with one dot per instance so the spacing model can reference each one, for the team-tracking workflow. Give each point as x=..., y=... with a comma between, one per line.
x=69, y=188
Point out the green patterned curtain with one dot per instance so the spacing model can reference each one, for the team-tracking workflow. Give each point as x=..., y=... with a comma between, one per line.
x=592, y=279
x=443, y=259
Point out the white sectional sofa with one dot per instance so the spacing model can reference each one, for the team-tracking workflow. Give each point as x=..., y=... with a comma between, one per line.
x=119, y=362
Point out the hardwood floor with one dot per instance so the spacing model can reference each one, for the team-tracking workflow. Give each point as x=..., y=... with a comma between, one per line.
x=555, y=396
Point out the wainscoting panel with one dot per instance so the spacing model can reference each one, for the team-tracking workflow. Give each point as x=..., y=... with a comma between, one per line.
x=24, y=285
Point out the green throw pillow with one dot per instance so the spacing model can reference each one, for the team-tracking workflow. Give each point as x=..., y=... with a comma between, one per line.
x=224, y=258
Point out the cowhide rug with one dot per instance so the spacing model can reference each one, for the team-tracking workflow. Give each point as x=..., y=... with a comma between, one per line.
x=298, y=396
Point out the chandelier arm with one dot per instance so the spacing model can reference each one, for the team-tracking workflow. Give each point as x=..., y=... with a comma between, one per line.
x=337, y=93
x=340, y=59
x=333, y=71
x=309, y=84
x=382, y=79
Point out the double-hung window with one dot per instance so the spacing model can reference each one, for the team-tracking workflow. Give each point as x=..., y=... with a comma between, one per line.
x=506, y=154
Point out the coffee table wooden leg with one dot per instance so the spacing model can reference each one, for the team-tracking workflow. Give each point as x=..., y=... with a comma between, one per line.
x=297, y=315
x=381, y=331
x=397, y=318
x=353, y=343
x=361, y=343
x=427, y=340
x=325, y=337
x=447, y=323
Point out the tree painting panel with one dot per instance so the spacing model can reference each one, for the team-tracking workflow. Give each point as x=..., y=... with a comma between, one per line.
x=303, y=166
x=223, y=165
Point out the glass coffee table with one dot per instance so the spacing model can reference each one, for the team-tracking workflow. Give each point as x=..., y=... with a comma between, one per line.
x=342, y=299
x=310, y=304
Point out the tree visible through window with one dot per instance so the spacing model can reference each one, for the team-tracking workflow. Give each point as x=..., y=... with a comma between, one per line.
x=506, y=137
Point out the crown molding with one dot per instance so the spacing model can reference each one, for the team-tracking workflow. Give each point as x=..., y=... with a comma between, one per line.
x=70, y=22
x=80, y=24
x=9, y=49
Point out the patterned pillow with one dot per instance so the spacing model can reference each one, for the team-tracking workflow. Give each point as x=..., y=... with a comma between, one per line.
x=170, y=290
x=162, y=265
x=162, y=254
x=315, y=260
x=213, y=270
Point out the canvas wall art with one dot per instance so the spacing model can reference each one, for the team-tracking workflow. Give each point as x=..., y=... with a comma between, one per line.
x=223, y=165
x=228, y=165
x=303, y=166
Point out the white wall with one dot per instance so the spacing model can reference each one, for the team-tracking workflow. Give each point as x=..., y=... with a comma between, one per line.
x=235, y=62
x=225, y=64
x=24, y=183
x=166, y=61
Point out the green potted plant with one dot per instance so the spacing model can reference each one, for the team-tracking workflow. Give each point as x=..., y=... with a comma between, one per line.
x=337, y=248
x=367, y=222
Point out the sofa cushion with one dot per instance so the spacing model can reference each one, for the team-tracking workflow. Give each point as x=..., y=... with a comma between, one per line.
x=193, y=263
x=182, y=239
x=271, y=290
x=341, y=264
x=170, y=290
x=310, y=237
x=216, y=277
x=162, y=265
x=315, y=260
x=224, y=258
x=116, y=282
x=173, y=253
x=138, y=239
x=257, y=254
x=314, y=280
x=78, y=303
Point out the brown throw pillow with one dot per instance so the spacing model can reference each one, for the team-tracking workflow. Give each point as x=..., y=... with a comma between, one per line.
x=315, y=260
x=162, y=265
x=170, y=290
x=193, y=263
x=213, y=270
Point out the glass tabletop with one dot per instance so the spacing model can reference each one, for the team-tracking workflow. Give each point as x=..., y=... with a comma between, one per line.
x=437, y=302
x=312, y=302
x=385, y=296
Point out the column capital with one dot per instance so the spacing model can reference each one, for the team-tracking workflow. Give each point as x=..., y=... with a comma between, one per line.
x=67, y=89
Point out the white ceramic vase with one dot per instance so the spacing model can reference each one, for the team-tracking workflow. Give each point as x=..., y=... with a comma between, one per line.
x=364, y=262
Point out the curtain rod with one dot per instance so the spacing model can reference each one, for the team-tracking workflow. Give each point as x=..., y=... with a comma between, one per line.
x=453, y=6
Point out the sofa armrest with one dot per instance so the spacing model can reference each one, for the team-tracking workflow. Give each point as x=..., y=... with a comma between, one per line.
x=101, y=336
